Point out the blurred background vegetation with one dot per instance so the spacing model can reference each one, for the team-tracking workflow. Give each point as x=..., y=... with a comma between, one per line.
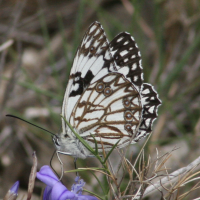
x=42, y=38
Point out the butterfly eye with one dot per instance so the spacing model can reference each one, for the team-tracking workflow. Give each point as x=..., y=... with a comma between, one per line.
x=55, y=140
x=128, y=116
x=100, y=87
x=65, y=135
x=107, y=91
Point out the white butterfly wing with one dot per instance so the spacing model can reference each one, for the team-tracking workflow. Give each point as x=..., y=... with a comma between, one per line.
x=92, y=61
x=115, y=65
x=110, y=110
x=127, y=59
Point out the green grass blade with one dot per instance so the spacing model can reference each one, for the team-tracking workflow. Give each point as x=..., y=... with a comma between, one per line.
x=80, y=138
x=93, y=194
x=96, y=147
x=176, y=71
x=102, y=187
x=51, y=55
x=106, y=158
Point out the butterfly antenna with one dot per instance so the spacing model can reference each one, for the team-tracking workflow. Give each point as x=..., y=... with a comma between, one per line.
x=31, y=124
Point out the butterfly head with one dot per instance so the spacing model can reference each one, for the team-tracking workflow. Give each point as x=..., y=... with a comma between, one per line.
x=56, y=141
x=69, y=145
x=60, y=140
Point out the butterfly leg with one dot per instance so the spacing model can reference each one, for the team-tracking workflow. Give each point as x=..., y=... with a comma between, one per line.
x=51, y=163
x=75, y=166
x=61, y=164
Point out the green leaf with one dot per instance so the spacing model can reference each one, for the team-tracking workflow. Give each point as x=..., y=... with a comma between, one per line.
x=96, y=147
x=93, y=194
x=86, y=169
x=100, y=183
x=80, y=138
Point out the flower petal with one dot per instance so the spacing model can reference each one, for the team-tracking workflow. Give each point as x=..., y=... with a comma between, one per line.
x=47, y=193
x=86, y=197
x=60, y=192
x=12, y=193
x=78, y=187
x=47, y=176
x=14, y=188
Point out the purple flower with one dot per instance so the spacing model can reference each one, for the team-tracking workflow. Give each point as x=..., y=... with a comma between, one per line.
x=77, y=188
x=12, y=193
x=14, y=188
x=55, y=190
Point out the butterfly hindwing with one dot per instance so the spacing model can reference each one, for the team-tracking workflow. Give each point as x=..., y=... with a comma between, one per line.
x=150, y=103
x=110, y=109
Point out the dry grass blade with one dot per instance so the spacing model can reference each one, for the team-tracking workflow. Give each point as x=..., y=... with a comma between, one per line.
x=6, y=45
x=32, y=177
x=195, y=187
x=96, y=170
x=172, y=178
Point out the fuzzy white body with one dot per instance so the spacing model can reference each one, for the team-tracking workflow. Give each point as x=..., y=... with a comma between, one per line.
x=72, y=147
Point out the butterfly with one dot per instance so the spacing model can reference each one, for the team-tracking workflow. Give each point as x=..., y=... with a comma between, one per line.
x=105, y=99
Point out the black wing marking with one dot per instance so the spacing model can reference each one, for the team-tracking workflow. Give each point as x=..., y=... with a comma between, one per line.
x=151, y=102
x=127, y=57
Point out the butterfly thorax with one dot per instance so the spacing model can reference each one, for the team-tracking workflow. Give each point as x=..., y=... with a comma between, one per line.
x=70, y=145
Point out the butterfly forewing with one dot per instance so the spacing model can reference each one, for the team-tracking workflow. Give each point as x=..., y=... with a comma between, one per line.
x=127, y=58
x=110, y=109
x=92, y=61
